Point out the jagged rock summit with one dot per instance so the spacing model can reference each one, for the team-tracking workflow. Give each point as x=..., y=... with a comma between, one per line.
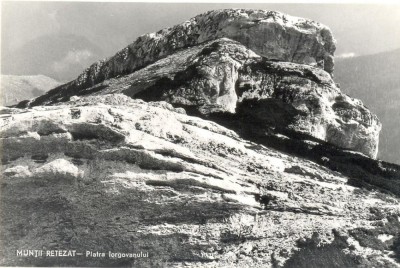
x=271, y=34
x=271, y=67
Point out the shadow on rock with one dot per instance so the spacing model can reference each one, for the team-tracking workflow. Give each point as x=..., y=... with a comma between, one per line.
x=362, y=171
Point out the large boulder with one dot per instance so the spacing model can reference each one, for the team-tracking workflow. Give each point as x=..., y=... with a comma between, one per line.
x=226, y=76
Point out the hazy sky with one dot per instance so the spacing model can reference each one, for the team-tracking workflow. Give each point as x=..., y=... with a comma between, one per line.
x=359, y=29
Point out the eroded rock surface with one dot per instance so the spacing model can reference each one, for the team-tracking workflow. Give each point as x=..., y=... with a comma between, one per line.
x=226, y=76
x=111, y=173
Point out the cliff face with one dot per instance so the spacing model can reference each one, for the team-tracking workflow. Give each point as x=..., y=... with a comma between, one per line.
x=226, y=76
x=108, y=173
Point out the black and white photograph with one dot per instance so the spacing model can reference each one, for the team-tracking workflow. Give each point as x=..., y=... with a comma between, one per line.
x=200, y=134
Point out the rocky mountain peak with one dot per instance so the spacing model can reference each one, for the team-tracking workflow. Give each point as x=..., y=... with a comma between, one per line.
x=271, y=34
x=227, y=60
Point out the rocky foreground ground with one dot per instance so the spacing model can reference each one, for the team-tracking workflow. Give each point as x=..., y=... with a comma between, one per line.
x=110, y=173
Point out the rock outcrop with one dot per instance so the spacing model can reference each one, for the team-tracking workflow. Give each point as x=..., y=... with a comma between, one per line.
x=283, y=38
x=226, y=76
x=183, y=190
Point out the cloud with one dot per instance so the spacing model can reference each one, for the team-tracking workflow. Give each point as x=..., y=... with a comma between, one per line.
x=346, y=55
x=72, y=58
x=78, y=56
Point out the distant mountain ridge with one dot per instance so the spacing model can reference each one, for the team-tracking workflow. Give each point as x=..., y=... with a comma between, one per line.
x=376, y=80
x=16, y=88
x=61, y=57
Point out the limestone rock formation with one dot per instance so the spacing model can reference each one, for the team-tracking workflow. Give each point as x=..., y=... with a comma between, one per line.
x=226, y=76
x=283, y=38
x=109, y=173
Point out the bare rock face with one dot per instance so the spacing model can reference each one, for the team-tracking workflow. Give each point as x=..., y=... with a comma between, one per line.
x=185, y=191
x=305, y=100
x=283, y=38
x=226, y=76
